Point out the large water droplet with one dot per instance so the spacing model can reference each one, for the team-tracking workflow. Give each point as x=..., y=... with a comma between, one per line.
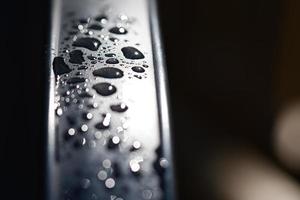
x=105, y=89
x=132, y=53
x=112, y=61
x=60, y=67
x=118, y=30
x=121, y=107
x=138, y=69
x=76, y=57
x=88, y=43
x=108, y=72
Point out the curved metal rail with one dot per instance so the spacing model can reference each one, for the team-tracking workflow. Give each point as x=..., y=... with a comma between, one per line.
x=108, y=122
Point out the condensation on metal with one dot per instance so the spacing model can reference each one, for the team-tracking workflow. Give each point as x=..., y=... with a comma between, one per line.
x=97, y=118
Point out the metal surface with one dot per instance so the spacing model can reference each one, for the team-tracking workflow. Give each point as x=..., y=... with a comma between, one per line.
x=108, y=132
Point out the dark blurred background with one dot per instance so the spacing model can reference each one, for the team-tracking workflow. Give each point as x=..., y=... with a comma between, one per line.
x=232, y=66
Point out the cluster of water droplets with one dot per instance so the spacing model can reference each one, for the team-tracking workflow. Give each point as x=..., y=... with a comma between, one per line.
x=93, y=53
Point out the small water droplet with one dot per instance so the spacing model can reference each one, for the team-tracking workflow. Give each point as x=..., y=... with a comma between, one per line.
x=134, y=166
x=102, y=175
x=85, y=183
x=138, y=69
x=132, y=53
x=136, y=146
x=101, y=18
x=110, y=55
x=98, y=135
x=163, y=163
x=59, y=111
x=147, y=194
x=83, y=67
x=104, y=88
x=71, y=131
x=121, y=107
x=89, y=43
x=112, y=61
x=75, y=80
x=118, y=30
x=108, y=72
x=84, y=128
x=105, y=122
x=106, y=163
x=138, y=76
x=88, y=116
x=95, y=27
x=110, y=183
x=91, y=57
x=113, y=39
x=84, y=20
x=76, y=57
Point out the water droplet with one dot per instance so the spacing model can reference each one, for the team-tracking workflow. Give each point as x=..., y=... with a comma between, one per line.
x=76, y=57
x=101, y=18
x=98, y=135
x=90, y=57
x=163, y=163
x=105, y=89
x=92, y=144
x=110, y=183
x=118, y=30
x=123, y=17
x=102, y=175
x=89, y=43
x=136, y=146
x=108, y=72
x=116, y=140
x=95, y=27
x=105, y=122
x=113, y=39
x=88, y=116
x=110, y=55
x=147, y=194
x=134, y=166
x=138, y=69
x=83, y=67
x=75, y=80
x=79, y=142
x=106, y=163
x=113, y=142
x=60, y=67
x=59, y=111
x=138, y=76
x=85, y=95
x=112, y=61
x=71, y=131
x=132, y=53
x=85, y=183
x=121, y=107
x=84, y=20
x=145, y=66
x=84, y=128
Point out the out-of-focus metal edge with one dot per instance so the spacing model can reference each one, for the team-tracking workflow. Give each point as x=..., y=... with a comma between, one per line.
x=163, y=100
x=50, y=189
